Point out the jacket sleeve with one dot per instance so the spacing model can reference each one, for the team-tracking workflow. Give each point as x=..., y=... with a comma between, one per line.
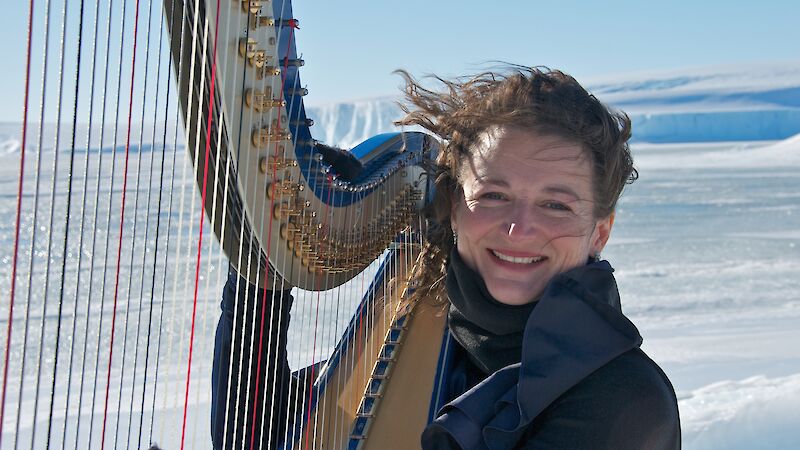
x=628, y=404
x=250, y=388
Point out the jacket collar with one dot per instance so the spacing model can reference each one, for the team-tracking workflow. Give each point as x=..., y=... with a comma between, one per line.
x=576, y=328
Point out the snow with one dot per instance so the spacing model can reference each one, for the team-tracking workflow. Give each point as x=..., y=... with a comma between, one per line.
x=741, y=155
x=756, y=412
x=706, y=247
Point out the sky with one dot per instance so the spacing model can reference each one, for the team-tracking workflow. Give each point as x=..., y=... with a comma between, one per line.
x=351, y=47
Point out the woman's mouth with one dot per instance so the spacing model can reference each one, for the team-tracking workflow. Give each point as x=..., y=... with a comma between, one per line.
x=516, y=259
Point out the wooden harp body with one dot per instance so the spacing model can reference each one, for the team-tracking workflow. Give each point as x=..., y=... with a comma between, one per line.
x=111, y=314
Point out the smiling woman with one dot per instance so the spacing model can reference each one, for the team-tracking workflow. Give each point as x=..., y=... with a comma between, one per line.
x=524, y=213
x=526, y=186
x=536, y=352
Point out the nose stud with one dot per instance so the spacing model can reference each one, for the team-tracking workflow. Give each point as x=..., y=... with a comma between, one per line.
x=511, y=228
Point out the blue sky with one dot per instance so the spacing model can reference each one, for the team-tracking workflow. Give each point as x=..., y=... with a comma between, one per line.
x=352, y=46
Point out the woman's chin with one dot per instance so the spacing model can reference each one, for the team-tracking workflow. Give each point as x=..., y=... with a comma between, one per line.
x=512, y=295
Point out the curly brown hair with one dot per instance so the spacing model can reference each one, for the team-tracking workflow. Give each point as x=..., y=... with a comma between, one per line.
x=538, y=100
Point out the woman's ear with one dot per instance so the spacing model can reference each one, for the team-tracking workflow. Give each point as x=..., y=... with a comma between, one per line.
x=602, y=231
x=455, y=202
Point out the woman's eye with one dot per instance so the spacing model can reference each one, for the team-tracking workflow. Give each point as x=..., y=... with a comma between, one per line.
x=493, y=196
x=557, y=206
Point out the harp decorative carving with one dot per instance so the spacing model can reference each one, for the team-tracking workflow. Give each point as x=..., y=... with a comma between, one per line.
x=113, y=289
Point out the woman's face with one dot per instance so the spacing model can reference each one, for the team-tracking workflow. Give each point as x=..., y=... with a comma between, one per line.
x=526, y=213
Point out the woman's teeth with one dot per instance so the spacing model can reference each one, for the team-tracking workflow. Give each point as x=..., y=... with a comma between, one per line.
x=517, y=259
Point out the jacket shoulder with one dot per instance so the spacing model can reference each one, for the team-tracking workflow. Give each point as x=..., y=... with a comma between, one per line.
x=627, y=403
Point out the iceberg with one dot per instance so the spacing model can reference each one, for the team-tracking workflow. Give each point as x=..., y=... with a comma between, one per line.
x=713, y=104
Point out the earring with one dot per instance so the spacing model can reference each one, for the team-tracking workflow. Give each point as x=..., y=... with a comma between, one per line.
x=596, y=257
x=455, y=238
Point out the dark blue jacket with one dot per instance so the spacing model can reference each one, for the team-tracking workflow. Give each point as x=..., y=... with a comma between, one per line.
x=583, y=382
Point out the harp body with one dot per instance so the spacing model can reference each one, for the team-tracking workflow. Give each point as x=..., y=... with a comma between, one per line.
x=281, y=214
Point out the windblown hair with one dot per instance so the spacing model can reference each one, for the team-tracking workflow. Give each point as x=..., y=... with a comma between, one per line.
x=541, y=101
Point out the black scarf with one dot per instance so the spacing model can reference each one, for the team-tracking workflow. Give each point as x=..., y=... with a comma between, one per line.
x=490, y=331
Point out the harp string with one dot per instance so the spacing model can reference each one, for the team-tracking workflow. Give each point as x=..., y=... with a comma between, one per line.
x=202, y=217
x=34, y=227
x=158, y=233
x=269, y=246
x=66, y=240
x=304, y=297
x=339, y=421
x=326, y=229
x=241, y=230
x=178, y=74
x=252, y=332
x=112, y=179
x=17, y=226
x=225, y=205
x=267, y=413
x=148, y=202
x=197, y=117
x=254, y=307
x=336, y=293
x=282, y=268
x=214, y=209
x=81, y=234
x=237, y=299
x=295, y=409
x=50, y=220
x=313, y=388
x=121, y=225
x=133, y=240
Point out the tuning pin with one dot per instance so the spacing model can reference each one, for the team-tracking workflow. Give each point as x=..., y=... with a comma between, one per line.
x=297, y=91
x=273, y=163
x=265, y=71
x=301, y=122
x=288, y=22
x=263, y=136
x=265, y=22
x=251, y=6
x=294, y=62
x=283, y=187
x=259, y=101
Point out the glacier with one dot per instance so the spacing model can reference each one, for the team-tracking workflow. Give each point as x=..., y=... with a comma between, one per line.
x=754, y=102
x=713, y=104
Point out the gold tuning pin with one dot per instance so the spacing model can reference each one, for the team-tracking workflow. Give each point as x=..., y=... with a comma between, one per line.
x=283, y=187
x=248, y=49
x=288, y=230
x=285, y=210
x=260, y=101
x=262, y=137
x=308, y=220
x=268, y=164
x=261, y=21
x=267, y=71
x=251, y=6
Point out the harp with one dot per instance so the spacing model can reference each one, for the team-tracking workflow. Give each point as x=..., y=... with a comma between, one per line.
x=158, y=124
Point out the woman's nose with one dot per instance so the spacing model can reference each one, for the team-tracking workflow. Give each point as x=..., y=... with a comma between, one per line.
x=520, y=224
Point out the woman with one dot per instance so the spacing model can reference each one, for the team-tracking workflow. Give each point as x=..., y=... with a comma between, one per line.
x=526, y=186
